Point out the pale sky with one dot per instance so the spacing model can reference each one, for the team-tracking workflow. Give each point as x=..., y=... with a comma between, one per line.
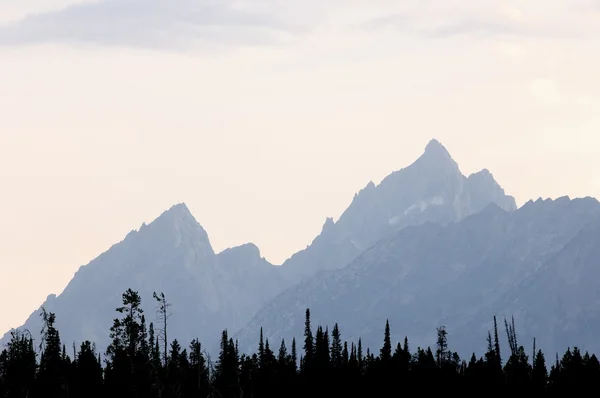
x=266, y=116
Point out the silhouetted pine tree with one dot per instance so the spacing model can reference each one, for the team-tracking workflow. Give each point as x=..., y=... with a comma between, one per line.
x=336, y=347
x=51, y=381
x=226, y=378
x=539, y=372
x=309, y=349
x=123, y=367
x=386, y=350
x=19, y=366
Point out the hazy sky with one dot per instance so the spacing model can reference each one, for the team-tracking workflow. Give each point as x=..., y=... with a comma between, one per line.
x=266, y=116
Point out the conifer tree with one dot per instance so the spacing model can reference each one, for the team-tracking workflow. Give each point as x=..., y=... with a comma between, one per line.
x=19, y=365
x=50, y=380
x=282, y=356
x=498, y=357
x=261, y=350
x=308, y=341
x=386, y=350
x=336, y=347
x=539, y=374
x=88, y=380
x=122, y=354
x=226, y=379
x=442, y=346
x=359, y=355
x=294, y=355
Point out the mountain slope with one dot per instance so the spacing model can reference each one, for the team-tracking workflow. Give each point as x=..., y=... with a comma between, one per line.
x=558, y=303
x=432, y=189
x=458, y=275
x=171, y=255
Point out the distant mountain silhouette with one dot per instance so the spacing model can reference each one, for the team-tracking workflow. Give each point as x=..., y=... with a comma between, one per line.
x=210, y=292
x=172, y=255
x=432, y=189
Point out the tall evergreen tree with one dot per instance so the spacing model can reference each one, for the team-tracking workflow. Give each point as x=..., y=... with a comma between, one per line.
x=498, y=357
x=539, y=374
x=123, y=371
x=88, y=380
x=359, y=355
x=386, y=350
x=442, y=346
x=282, y=357
x=19, y=365
x=226, y=378
x=308, y=341
x=294, y=354
x=51, y=382
x=345, y=355
x=336, y=347
x=261, y=350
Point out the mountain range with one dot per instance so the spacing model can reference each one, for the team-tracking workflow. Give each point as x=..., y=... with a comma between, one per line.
x=172, y=255
x=427, y=246
x=432, y=189
x=537, y=264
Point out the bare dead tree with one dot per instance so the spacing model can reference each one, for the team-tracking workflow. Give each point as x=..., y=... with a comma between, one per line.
x=209, y=365
x=44, y=332
x=512, y=335
x=162, y=311
x=534, y=353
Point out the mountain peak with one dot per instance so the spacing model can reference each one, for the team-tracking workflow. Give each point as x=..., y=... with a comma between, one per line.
x=178, y=213
x=436, y=147
x=180, y=208
x=436, y=157
x=179, y=223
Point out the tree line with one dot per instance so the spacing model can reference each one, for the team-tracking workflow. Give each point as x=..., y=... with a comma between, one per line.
x=141, y=362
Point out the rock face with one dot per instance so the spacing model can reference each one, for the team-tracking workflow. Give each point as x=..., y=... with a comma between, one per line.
x=538, y=264
x=173, y=254
x=432, y=189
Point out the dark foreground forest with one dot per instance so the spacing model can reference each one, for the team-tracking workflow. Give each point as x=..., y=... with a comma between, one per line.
x=142, y=362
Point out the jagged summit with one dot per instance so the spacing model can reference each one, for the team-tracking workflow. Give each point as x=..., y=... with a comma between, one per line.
x=436, y=157
x=328, y=223
x=178, y=210
x=178, y=216
x=431, y=189
x=171, y=224
x=436, y=147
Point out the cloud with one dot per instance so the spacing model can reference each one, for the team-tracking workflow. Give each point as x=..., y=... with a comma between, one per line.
x=173, y=24
x=177, y=25
x=395, y=21
x=474, y=27
x=441, y=19
x=437, y=19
